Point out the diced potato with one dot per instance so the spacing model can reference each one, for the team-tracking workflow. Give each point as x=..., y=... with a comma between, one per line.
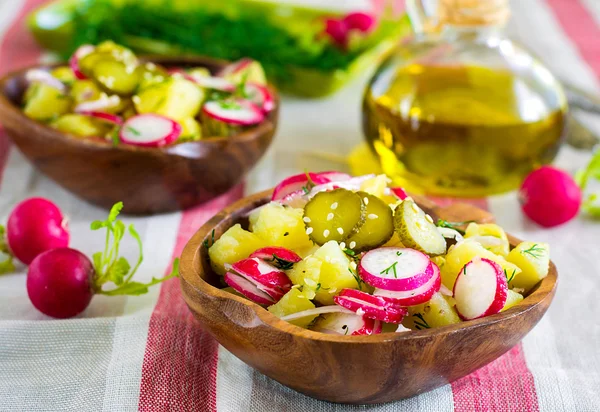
x=82, y=126
x=306, y=273
x=252, y=72
x=85, y=91
x=293, y=302
x=512, y=298
x=64, y=74
x=335, y=274
x=176, y=98
x=282, y=226
x=534, y=260
x=462, y=253
x=190, y=130
x=376, y=186
x=439, y=311
x=475, y=230
x=45, y=103
x=234, y=245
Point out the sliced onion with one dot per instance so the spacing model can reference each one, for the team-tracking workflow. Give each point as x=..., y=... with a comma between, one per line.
x=42, y=76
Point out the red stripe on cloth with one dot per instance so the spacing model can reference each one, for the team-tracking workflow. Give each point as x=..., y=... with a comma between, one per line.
x=179, y=372
x=17, y=49
x=582, y=29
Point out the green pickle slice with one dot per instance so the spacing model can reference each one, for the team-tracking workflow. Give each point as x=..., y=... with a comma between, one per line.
x=417, y=230
x=333, y=215
x=378, y=227
x=116, y=77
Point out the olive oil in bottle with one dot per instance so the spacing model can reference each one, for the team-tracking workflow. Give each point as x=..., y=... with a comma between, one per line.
x=463, y=112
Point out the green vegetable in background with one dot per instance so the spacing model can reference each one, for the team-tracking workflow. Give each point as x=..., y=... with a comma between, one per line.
x=591, y=203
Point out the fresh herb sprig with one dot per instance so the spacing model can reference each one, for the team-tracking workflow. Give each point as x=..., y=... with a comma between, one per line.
x=584, y=177
x=421, y=323
x=392, y=268
x=111, y=267
x=511, y=277
x=281, y=263
x=359, y=281
x=534, y=251
x=454, y=225
x=208, y=243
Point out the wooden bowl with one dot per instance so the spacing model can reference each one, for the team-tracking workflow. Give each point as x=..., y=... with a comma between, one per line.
x=147, y=180
x=350, y=369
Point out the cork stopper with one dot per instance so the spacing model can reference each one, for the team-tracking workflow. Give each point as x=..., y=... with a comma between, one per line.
x=472, y=12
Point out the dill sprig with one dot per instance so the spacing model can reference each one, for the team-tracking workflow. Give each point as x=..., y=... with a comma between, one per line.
x=534, y=251
x=359, y=281
x=511, y=277
x=454, y=225
x=392, y=267
x=421, y=323
x=208, y=243
x=281, y=263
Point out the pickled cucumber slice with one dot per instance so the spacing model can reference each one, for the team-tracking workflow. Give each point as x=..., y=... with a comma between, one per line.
x=45, y=103
x=116, y=77
x=417, y=230
x=333, y=215
x=378, y=227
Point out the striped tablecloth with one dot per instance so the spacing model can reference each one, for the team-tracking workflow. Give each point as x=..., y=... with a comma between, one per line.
x=147, y=353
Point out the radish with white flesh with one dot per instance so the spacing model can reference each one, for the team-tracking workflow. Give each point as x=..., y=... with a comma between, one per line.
x=296, y=199
x=416, y=296
x=374, y=307
x=80, y=53
x=42, y=76
x=349, y=324
x=321, y=310
x=334, y=176
x=352, y=184
x=267, y=278
x=104, y=103
x=214, y=83
x=297, y=184
x=236, y=112
x=395, y=269
x=244, y=70
x=248, y=289
x=279, y=257
x=480, y=289
x=107, y=117
x=260, y=96
x=149, y=130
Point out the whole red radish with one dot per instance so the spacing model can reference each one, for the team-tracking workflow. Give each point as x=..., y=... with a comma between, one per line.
x=60, y=282
x=549, y=196
x=34, y=226
x=362, y=22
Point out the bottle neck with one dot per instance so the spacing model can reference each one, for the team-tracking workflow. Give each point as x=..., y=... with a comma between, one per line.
x=476, y=33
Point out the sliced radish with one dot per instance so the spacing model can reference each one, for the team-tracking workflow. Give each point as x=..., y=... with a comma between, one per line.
x=416, y=296
x=480, y=289
x=296, y=199
x=353, y=184
x=107, y=117
x=240, y=112
x=317, y=311
x=279, y=257
x=214, y=83
x=235, y=67
x=248, y=289
x=260, y=96
x=398, y=192
x=297, y=184
x=178, y=71
x=374, y=307
x=445, y=291
x=334, y=176
x=348, y=324
x=42, y=76
x=395, y=269
x=102, y=104
x=149, y=130
x=79, y=54
x=363, y=22
x=267, y=278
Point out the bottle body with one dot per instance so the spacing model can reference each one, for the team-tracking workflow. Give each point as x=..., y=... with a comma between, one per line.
x=463, y=113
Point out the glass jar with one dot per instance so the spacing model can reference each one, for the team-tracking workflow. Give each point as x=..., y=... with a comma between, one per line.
x=459, y=109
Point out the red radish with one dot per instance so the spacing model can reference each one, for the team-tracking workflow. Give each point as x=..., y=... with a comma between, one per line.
x=239, y=112
x=337, y=30
x=550, y=197
x=480, y=289
x=80, y=53
x=248, y=289
x=214, y=83
x=353, y=184
x=102, y=104
x=267, y=278
x=235, y=67
x=398, y=192
x=317, y=311
x=348, y=324
x=374, y=307
x=279, y=257
x=107, y=117
x=34, y=226
x=334, y=176
x=297, y=184
x=260, y=96
x=416, y=296
x=395, y=269
x=66, y=272
x=363, y=22
x=42, y=76
x=149, y=130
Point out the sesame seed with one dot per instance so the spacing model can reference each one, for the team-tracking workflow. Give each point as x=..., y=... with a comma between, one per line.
x=306, y=219
x=330, y=216
x=366, y=200
x=343, y=244
x=352, y=245
x=309, y=230
x=372, y=216
x=429, y=219
x=136, y=99
x=334, y=205
x=415, y=207
x=326, y=233
x=340, y=230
